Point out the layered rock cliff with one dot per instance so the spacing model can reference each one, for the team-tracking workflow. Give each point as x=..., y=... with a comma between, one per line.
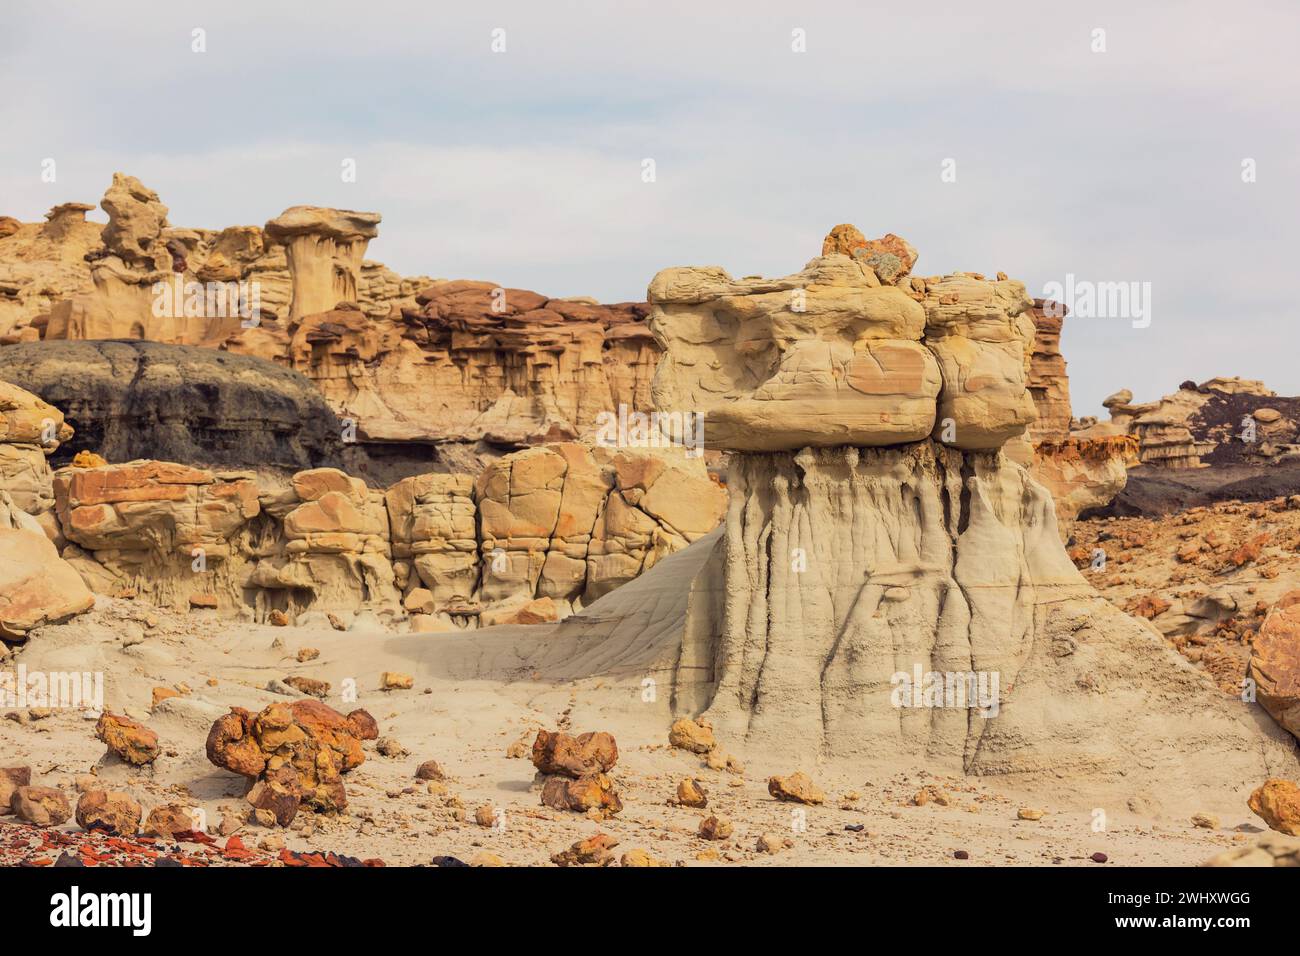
x=471, y=361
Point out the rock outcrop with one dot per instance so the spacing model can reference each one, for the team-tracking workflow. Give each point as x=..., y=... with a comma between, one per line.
x=1275, y=663
x=1082, y=473
x=1049, y=384
x=186, y=536
x=42, y=264
x=473, y=361
x=571, y=522
x=31, y=430
x=324, y=249
x=558, y=526
x=36, y=585
x=157, y=529
x=433, y=529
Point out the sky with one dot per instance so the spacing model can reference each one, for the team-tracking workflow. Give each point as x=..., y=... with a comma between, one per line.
x=1008, y=137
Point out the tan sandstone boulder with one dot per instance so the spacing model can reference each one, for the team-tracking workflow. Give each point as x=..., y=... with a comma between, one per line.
x=796, y=788
x=43, y=806
x=36, y=585
x=11, y=778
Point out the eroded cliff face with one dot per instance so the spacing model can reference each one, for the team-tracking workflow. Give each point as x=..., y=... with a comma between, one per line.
x=571, y=522
x=206, y=408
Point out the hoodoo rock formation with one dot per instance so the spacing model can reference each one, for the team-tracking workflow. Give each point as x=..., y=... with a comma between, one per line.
x=890, y=584
x=459, y=371
x=324, y=249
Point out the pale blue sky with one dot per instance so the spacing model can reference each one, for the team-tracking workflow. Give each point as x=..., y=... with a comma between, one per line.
x=525, y=167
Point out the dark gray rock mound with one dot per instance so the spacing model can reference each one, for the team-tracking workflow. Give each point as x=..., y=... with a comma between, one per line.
x=199, y=406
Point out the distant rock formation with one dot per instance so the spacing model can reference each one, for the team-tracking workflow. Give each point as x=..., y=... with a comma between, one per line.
x=1220, y=421
x=402, y=359
x=470, y=361
x=1049, y=384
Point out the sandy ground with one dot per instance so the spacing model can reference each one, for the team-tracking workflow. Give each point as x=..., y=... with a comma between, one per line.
x=467, y=724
